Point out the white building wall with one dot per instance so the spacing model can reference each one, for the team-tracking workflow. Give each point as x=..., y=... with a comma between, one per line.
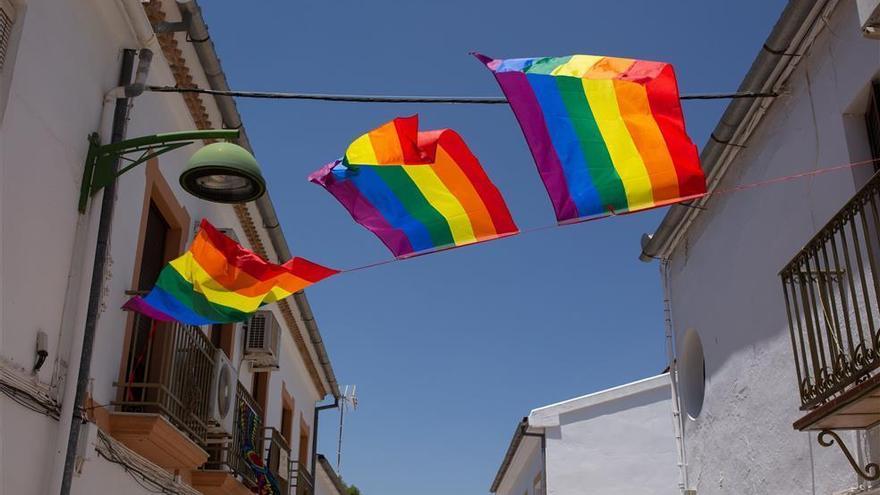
x=725, y=283
x=67, y=57
x=622, y=446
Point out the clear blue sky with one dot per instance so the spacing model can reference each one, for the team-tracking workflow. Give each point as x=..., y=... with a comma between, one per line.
x=450, y=350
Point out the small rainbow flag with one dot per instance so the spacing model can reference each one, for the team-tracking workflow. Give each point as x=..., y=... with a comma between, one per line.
x=417, y=191
x=219, y=281
x=607, y=134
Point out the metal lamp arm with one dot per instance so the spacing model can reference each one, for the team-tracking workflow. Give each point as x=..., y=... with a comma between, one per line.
x=98, y=172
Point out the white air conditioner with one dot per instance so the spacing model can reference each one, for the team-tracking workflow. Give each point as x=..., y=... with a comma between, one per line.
x=223, y=388
x=869, y=17
x=262, y=334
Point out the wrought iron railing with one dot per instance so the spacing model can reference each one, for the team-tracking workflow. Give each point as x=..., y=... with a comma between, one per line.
x=169, y=372
x=304, y=484
x=831, y=290
x=224, y=450
x=278, y=458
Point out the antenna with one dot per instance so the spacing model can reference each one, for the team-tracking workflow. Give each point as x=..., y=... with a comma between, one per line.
x=349, y=399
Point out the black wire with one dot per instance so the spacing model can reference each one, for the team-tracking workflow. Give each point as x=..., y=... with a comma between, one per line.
x=466, y=100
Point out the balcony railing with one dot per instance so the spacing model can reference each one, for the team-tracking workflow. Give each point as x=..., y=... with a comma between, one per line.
x=169, y=372
x=225, y=450
x=831, y=290
x=278, y=459
x=304, y=484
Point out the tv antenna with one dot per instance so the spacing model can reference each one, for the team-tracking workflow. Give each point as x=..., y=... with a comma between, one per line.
x=349, y=399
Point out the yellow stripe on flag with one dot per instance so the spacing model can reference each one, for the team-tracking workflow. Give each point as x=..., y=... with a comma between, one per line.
x=436, y=193
x=624, y=154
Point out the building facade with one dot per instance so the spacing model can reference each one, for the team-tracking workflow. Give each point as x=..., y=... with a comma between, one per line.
x=151, y=419
x=773, y=340
x=615, y=441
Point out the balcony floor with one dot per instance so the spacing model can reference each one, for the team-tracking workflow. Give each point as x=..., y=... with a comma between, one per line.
x=856, y=409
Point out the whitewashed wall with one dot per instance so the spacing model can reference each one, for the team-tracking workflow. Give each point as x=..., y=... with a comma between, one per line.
x=68, y=56
x=724, y=280
x=618, y=441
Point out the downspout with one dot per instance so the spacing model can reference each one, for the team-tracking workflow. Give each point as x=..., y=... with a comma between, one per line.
x=677, y=418
x=767, y=74
x=318, y=409
x=543, y=437
x=73, y=408
x=204, y=47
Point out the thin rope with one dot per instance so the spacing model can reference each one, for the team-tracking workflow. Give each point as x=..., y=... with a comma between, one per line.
x=461, y=100
x=735, y=189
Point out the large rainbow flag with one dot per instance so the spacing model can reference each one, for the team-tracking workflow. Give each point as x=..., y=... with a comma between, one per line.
x=219, y=281
x=607, y=134
x=417, y=191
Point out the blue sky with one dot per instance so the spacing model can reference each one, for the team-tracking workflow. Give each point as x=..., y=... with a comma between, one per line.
x=450, y=350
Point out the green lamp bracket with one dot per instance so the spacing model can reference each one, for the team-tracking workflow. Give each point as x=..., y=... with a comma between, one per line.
x=98, y=171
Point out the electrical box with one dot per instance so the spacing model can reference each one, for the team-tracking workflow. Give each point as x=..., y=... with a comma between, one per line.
x=869, y=17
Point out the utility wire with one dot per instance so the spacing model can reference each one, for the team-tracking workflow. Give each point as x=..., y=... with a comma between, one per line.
x=461, y=100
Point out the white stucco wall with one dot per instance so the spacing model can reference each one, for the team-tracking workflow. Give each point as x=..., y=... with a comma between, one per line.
x=67, y=57
x=615, y=441
x=725, y=284
x=619, y=441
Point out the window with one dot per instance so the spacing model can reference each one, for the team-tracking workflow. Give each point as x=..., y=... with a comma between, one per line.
x=287, y=408
x=303, y=457
x=692, y=373
x=223, y=336
x=260, y=391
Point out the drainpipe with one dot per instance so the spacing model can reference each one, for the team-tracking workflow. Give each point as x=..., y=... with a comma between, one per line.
x=543, y=437
x=677, y=418
x=318, y=409
x=204, y=47
x=73, y=408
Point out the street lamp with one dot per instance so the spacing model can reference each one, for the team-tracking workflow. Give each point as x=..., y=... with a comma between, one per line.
x=218, y=172
x=223, y=173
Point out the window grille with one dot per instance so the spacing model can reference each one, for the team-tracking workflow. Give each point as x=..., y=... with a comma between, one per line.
x=7, y=19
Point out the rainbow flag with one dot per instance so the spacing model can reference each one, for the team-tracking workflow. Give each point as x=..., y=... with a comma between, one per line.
x=607, y=134
x=219, y=281
x=417, y=191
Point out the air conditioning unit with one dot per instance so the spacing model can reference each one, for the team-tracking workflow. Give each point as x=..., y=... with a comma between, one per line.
x=262, y=335
x=869, y=17
x=224, y=382
x=230, y=233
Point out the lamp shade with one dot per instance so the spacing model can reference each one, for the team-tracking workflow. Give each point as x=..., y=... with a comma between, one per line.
x=223, y=173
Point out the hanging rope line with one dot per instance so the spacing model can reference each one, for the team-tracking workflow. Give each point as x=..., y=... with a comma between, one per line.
x=717, y=192
x=460, y=100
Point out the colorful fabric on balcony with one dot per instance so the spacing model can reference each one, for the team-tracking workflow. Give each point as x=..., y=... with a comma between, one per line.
x=607, y=134
x=219, y=281
x=248, y=447
x=417, y=191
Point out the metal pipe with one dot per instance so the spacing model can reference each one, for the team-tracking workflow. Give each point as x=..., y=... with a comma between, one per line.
x=318, y=409
x=767, y=73
x=677, y=418
x=102, y=250
x=204, y=47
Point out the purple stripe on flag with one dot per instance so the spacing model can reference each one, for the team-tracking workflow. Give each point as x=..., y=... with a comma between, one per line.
x=362, y=210
x=138, y=305
x=528, y=112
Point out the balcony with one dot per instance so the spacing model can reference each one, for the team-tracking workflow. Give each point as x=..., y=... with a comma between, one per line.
x=832, y=298
x=304, y=483
x=163, y=410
